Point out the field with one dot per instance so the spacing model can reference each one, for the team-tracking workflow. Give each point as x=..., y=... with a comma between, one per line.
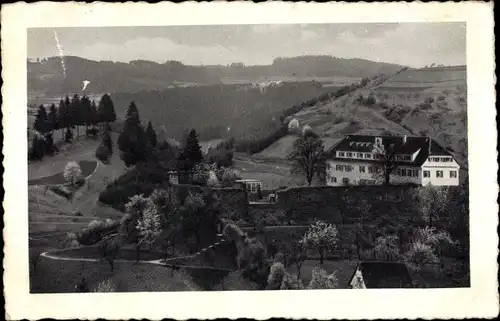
x=60, y=276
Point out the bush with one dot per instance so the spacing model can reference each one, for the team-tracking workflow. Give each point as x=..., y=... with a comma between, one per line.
x=429, y=100
x=102, y=153
x=95, y=231
x=104, y=286
x=441, y=98
x=61, y=190
x=68, y=136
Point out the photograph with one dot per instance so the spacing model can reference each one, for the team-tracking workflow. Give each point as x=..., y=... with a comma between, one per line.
x=242, y=160
x=247, y=157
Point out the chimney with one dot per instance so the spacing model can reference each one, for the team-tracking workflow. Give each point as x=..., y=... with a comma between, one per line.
x=404, y=140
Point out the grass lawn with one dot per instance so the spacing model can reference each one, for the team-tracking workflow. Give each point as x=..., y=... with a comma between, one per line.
x=57, y=276
x=92, y=252
x=87, y=168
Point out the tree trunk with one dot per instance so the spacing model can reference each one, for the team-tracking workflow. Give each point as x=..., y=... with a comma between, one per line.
x=137, y=253
x=321, y=258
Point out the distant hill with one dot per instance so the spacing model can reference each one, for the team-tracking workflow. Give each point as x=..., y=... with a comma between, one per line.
x=47, y=78
x=428, y=101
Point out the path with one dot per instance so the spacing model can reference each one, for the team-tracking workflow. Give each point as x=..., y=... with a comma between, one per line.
x=164, y=262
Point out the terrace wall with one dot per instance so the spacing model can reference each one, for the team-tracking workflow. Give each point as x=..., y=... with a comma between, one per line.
x=344, y=205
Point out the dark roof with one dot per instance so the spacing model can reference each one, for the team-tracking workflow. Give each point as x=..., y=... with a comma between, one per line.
x=364, y=144
x=379, y=275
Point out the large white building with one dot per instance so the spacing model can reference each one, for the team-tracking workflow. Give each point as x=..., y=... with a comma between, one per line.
x=359, y=160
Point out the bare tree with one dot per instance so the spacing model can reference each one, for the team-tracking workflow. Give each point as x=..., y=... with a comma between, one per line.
x=307, y=156
x=387, y=157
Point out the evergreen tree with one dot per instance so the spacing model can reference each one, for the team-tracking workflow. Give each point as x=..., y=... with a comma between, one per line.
x=151, y=134
x=53, y=118
x=106, y=110
x=61, y=116
x=107, y=141
x=132, y=141
x=191, y=155
x=85, y=111
x=76, y=114
x=41, y=122
x=93, y=118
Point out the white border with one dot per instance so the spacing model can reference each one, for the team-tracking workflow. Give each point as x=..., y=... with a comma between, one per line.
x=481, y=300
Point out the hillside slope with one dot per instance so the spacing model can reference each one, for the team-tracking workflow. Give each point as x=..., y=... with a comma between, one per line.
x=430, y=101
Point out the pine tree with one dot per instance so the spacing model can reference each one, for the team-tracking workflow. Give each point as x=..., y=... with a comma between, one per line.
x=53, y=118
x=61, y=116
x=132, y=141
x=76, y=116
x=41, y=122
x=107, y=141
x=106, y=110
x=191, y=155
x=85, y=112
x=93, y=119
x=151, y=134
x=67, y=119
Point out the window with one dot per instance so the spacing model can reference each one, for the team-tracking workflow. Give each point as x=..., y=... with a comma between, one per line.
x=370, y=169
x=341, y=154
x=361, y=169
x=445, y=159
x=453, y=174
x=403, y=172
x=333, y=179
x=338, y=168
x=349, y=154
x=345, y=180
x=360, y=155
x=415, y=172
x=427, y=174
x=439, y=174
x=434, y=159
x=368, y=156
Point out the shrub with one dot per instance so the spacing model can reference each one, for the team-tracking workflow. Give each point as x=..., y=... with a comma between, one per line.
x=322, y=280
x=441, y=98
x=72, y=172
x=63, y=191
x=276, y=275
x=68, y=136
x=102, y=153
x=70, y=241
x=105, y=286
x=293, y=126
x=95, y=231
x=429, y=100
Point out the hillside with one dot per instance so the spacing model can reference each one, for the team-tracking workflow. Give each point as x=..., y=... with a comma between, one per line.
x=218, y=111
x=430, y=101
x=46, y=78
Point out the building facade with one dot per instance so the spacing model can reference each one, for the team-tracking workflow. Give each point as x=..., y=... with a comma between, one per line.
x=363, y=160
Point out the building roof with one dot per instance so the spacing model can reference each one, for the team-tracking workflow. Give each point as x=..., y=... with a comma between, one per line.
x=379, y=275
x=364, y=144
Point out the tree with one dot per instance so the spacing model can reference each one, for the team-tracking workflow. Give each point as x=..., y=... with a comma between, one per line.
x=298, y=255
x=86, y=112
x=149, y=225
x=322, y=237
x=72, y=172
x=42, y=124
x=76, y=113
x=134, y=209
x=322, y=280
x=276, y=274
x=151, y=134
x=386, y=248
x=433, y=202
x=307, y=156
x=387, y=157
x=106, y=111
x=53, y=119
x=109, y=249
x=132, y=141
x=191, y=155
x=293, y=126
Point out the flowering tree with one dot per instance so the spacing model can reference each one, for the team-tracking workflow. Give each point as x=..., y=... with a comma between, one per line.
x=433, y=201
x=322, y=237
x=149, y=225
x=322, y=280
x=293, y=126
x=72, y=172
x=386, y=248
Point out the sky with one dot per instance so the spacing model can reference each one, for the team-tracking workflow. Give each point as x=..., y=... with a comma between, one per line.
x=410, y=44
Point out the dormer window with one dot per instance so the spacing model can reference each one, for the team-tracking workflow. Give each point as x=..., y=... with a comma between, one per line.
x=368, y=156
x=341, y=154
x=349, y=154
x=360, y=155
